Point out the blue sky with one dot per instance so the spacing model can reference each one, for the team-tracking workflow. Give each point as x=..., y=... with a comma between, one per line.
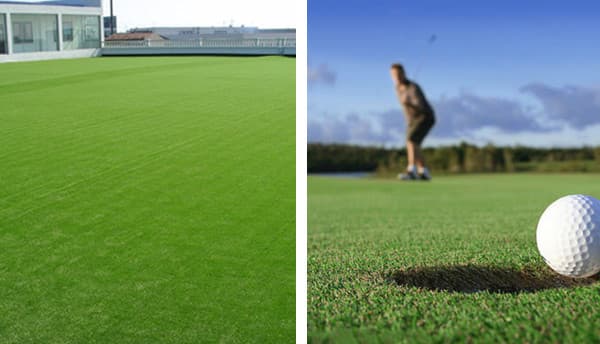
x=507, y=72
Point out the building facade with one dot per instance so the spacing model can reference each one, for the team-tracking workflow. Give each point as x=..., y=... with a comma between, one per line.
x=50, y=29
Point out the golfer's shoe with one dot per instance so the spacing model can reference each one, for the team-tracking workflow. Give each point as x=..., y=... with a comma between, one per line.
x=425, y=175
x=408, y=175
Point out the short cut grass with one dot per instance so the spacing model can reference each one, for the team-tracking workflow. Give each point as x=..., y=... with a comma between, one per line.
x=454, y=260
x=148, y=200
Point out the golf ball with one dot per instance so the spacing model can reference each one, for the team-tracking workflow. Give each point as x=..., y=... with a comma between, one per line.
x=568, y=236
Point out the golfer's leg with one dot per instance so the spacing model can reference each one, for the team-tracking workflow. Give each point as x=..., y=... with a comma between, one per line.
x=419, y=158
x=410, y=152
x=411, y=171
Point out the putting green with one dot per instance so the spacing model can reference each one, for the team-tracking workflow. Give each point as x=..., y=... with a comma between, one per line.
x=454, y=260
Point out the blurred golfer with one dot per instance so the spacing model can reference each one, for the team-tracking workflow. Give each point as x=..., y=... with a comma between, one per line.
x=419, y=120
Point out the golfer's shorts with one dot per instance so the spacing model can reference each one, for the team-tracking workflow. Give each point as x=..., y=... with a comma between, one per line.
x=418, y=128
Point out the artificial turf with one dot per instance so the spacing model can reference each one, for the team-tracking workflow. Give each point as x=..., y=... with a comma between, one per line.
x=147, y=200
x=454, y=260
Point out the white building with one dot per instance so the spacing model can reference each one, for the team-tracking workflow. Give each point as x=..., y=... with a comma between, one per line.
x=39, y=30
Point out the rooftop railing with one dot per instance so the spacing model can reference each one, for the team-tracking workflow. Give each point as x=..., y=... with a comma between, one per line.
x=206, y=43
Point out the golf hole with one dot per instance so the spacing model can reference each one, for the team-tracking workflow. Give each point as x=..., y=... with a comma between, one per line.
x=474, y=278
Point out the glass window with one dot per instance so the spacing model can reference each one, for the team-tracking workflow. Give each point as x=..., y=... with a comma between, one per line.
x=34, y=32
x=3, y=45
x=67, y=31
x=23, y=32
x=81, y=32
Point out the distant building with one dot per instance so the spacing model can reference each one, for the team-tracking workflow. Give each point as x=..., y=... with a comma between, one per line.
x=49, y=29
x=108, y=26
x=135, y=39
x=224, y=32
x=135, y=36
x=273, y=33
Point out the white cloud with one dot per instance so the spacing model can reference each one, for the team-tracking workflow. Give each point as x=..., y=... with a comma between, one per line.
x=578, y=106
x=567, y=116
x=565, y=137
x=321, y=74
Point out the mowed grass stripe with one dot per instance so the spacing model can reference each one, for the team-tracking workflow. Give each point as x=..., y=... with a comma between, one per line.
x=42, y=76
x=73, y=149
x=126, y=125
x=84, y=108
x=126, y=168
x=54, y=99
x=174, y=224
x=72, y=115
x=111, y=173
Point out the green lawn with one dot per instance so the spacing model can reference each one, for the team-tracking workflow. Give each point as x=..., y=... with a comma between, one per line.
x=454, y=260
x=147, y=200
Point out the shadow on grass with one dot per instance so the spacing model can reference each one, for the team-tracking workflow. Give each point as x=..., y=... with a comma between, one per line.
x=474, y=278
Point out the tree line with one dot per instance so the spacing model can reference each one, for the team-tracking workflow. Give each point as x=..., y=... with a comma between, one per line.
x=460, y=158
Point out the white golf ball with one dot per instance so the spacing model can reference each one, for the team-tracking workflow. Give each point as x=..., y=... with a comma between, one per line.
x=568, y=236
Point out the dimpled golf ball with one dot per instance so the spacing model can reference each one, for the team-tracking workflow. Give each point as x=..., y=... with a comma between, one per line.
x=568, y=236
